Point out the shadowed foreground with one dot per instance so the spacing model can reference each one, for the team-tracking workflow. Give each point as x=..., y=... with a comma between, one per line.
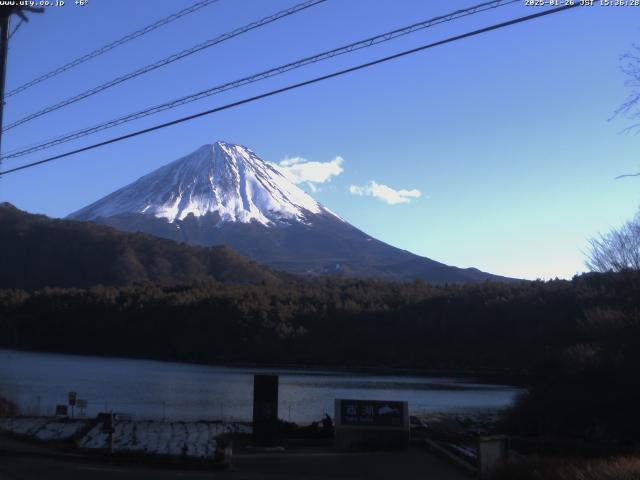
x=415, y=464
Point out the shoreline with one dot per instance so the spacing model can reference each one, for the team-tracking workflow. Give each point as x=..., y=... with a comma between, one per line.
x=486, y=377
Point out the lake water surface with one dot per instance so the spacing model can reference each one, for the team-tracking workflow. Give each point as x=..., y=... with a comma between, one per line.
x=178, y=391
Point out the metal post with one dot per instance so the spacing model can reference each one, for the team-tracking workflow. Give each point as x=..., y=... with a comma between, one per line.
x=109, y=427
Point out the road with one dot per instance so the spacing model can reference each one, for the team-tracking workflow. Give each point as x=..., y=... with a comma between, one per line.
x=416, y=463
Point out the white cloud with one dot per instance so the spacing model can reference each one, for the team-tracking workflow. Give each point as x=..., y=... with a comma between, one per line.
x=301, y=170
x=385, y=193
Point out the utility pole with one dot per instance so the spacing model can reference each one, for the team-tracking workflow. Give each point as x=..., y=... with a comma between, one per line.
x=5, y=14
x=4, y=48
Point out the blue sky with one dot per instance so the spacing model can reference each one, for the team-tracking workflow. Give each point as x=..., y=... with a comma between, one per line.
x=496, y=150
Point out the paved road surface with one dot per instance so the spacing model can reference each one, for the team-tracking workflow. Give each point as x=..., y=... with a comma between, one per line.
x=415, y=464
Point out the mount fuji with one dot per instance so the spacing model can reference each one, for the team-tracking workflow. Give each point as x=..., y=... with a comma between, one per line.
x=226, y=194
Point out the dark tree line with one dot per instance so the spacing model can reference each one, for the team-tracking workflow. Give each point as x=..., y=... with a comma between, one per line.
x=575, y=343
x=320, y=322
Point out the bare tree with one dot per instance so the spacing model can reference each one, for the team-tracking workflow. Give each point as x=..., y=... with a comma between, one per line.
x=630, y=108
x=617, y=250
x=630, y=66
x=620, y=248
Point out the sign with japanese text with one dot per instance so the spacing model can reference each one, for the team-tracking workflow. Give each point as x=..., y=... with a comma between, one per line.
x=372, y=413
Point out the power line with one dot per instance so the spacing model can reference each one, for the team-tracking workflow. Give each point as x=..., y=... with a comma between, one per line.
x=95, y=53
x=295, y=86
x=261, y=76
x=6, y=13
x=166, y=61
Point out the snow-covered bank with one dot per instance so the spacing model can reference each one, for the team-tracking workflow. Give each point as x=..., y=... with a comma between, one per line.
x=42, y=428
x=184, y=439
x=190, y=439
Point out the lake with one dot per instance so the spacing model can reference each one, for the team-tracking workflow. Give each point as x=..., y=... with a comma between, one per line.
x=179, y=391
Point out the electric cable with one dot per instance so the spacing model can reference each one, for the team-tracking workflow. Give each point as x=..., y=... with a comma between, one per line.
x=166, y=61
x=295, y=86
x=369, y=42
x=104, y=49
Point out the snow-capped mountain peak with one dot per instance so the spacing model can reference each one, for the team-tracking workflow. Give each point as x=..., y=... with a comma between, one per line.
x=224, y=194
x=222, y=178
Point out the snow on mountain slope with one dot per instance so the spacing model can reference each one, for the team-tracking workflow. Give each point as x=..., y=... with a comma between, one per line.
x=223, y=178
x=224, y=194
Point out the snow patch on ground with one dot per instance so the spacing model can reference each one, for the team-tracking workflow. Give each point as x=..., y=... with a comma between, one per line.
x=42, y=428
x=191, y=439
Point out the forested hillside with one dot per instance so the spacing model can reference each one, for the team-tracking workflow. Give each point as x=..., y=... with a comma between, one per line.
x=575, y=342
x=322, y=321
x=38, y=252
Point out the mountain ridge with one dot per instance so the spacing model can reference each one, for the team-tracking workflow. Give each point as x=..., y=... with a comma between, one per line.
x=39, y=252
x=224, y=194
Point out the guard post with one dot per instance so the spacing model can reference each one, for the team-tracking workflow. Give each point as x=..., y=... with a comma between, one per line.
x=493, y=451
